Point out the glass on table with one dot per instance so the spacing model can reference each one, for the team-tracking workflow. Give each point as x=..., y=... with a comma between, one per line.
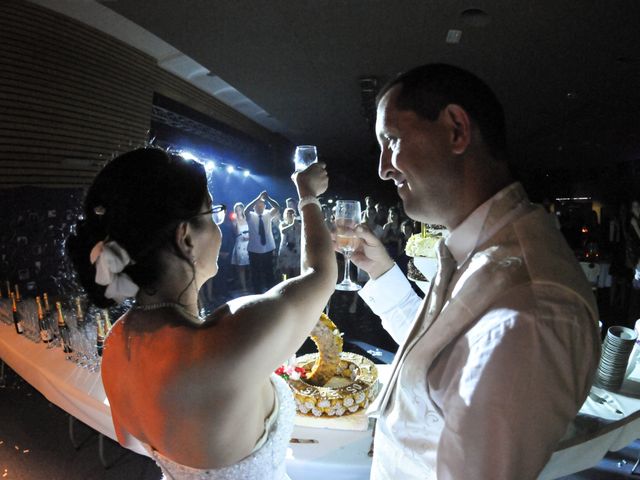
x=6, y=315
x=83, y=346
x=78, y=341
x=30, y=319
x=347, y=218
x=304, y=156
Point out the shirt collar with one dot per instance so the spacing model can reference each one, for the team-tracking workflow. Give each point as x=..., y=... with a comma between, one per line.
x=463, y=239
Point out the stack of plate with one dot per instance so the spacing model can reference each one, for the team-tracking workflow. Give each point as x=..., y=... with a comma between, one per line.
x=615, y=356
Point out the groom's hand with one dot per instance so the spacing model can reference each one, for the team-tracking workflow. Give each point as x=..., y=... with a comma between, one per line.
x=371, y=256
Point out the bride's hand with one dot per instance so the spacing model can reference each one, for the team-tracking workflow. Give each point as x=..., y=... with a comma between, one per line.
x=312, y=181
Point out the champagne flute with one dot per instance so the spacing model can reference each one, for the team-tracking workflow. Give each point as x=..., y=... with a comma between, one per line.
x=304, y=156
x=347, y=219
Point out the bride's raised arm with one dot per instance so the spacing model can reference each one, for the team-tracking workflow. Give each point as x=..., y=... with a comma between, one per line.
x=267, y=329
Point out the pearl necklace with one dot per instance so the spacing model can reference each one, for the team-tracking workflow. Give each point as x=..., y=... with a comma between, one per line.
x=197, y=319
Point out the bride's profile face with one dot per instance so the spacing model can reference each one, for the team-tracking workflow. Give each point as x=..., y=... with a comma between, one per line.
x=207, y=241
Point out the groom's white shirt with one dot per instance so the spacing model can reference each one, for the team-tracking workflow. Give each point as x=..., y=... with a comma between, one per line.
x=488, y=386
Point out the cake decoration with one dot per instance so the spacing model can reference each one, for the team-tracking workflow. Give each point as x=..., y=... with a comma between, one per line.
x=328, y=340
x=422, y=247
x=423, y=244
x=330, y=382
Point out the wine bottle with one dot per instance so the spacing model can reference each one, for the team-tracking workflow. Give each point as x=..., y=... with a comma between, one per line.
x=100, y=336
x=17, y=317
x=6, y=282
x=79, y=312
x=47, y=306
x=48, y=316
x=18, y=297
x=64, y=330
x=107, y=320
x=45, y=334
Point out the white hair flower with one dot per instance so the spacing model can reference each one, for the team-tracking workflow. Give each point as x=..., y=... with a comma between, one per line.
x=110, y=260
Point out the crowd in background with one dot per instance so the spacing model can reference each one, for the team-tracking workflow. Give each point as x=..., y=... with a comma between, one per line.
x=609, y=237
x=607, y=243
x=254, y=258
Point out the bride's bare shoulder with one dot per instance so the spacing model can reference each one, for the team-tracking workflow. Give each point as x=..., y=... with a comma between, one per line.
x=237, y=307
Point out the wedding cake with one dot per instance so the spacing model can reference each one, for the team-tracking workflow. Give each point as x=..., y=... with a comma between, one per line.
x=330, y=382
x=422, y=248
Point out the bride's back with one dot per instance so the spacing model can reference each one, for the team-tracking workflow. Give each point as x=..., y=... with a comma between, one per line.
x=180, y=391
x=198, y=392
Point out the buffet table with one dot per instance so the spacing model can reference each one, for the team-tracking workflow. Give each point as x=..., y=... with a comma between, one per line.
x=328, y=449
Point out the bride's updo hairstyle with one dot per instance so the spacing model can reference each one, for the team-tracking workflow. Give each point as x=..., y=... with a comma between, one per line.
x=137, y=200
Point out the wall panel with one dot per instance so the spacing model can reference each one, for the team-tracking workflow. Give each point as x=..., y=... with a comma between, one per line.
x=71, y=97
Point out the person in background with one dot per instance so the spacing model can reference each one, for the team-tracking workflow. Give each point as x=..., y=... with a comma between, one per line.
x=498, y=359
x=402, y=260
x=549, y=206
x=633, y=261
x=292, y=203
x=289, y=252
x=633, y=232
x=240, y=253
x=275, y=230
x=621, y=273
x=372, y=225
x=401, y=213
x=328, y=213
x=406, y=230
x=369, y=212
x=198, y=392
x=382, y=214
x=391, y=233
x=261, y=242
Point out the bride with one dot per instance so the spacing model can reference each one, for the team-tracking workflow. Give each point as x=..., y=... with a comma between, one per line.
x=199, y=393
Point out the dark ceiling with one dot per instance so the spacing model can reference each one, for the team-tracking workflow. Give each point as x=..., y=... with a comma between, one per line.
x=567, y=71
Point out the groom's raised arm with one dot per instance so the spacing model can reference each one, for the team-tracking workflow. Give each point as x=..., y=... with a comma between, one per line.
x=388, y=293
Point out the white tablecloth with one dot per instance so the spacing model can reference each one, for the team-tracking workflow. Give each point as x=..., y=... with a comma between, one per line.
x=337, y=454
x=598, y=430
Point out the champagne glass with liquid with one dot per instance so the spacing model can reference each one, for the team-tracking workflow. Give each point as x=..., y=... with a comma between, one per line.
x=347, y=218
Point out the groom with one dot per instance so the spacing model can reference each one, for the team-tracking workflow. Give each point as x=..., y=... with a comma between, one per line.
x=498, y=359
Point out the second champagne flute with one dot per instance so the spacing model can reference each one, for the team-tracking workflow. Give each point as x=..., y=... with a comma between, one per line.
x=347, y=219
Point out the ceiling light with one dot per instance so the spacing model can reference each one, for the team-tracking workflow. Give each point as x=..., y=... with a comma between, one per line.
x=230, y=169
x=187, y=155
x=454, y=36
x=246, y=173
